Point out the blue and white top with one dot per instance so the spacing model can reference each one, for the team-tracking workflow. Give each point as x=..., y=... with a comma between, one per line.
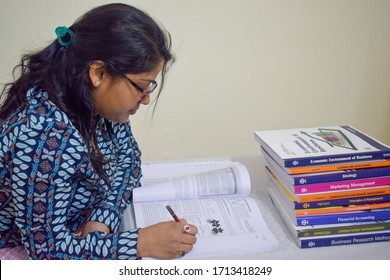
x=48, y=187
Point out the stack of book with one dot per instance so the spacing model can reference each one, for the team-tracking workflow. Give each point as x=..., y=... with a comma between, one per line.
x=331, y=185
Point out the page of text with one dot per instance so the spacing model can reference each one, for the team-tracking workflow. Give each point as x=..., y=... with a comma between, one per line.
x=232, y=179
x=226, y=225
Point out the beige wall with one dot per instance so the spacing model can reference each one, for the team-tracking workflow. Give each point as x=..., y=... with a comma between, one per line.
x=242, y=66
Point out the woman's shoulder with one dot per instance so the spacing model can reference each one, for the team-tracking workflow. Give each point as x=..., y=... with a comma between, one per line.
x=39, y=115
x=41, y=112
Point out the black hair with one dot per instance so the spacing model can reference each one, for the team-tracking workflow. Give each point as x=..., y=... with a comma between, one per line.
x=124, y=38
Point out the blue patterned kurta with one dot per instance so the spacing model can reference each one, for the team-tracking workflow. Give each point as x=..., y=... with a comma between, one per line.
x=48, y=186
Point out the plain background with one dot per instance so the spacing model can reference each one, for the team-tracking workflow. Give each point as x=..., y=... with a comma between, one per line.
x=241, y=66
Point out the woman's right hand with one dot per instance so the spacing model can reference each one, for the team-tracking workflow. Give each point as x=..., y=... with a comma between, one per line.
x=166, y=240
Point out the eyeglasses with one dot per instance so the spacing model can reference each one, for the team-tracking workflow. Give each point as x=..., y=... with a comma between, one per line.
x=145, y=93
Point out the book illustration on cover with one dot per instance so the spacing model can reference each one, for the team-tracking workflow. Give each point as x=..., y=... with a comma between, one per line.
x=333, y=137
x=321, y=146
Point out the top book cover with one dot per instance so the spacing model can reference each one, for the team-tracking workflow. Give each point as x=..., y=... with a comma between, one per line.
x=321, y=145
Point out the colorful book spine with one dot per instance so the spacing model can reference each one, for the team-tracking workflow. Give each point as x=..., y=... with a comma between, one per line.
x=322, y=177
x=338, y=167
x=341, y=209
x=344, y=240
x=336, y=159
x=343, y=194
x=362, y=216
x=306, y=179
x=342, y=185
x=326, y=168
x=308, y=200
x=353, y=228
x=341, y=202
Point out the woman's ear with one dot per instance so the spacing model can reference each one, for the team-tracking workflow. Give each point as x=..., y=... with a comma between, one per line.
x=96, y=73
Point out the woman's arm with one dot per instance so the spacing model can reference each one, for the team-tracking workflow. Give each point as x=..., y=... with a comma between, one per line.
x=125, y=167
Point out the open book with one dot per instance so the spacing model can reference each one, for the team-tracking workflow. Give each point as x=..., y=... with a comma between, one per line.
x=213, y=195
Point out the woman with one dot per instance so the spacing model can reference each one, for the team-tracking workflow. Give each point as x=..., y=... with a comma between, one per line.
x=68, y=159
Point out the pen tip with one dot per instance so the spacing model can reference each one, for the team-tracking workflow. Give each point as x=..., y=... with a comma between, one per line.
x=170, y=209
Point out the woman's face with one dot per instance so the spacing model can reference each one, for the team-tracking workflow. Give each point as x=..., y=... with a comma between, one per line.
x=117, y=99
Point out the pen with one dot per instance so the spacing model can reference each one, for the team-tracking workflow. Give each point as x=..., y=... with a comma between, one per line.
x=186, y=228
x=173, y=213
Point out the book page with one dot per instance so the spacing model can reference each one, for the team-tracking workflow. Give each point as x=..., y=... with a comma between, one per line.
x=162, y=169
x=224, y=179
x=227, y=226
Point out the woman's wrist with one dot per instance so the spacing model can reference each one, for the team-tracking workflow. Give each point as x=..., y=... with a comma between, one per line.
x=140, y=244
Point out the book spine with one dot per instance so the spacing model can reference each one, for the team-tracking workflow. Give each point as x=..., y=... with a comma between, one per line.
x=325, y=196
x=341, y=209
x=343, y=158
x=343, y=194
x=344, y=185
x=363, y=216
x=341, y=176
x=344, y=230
x=341, y=202
x=344, y=240
x=337, y=167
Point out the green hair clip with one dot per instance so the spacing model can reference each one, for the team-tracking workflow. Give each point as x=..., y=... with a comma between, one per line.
x=64, y=36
